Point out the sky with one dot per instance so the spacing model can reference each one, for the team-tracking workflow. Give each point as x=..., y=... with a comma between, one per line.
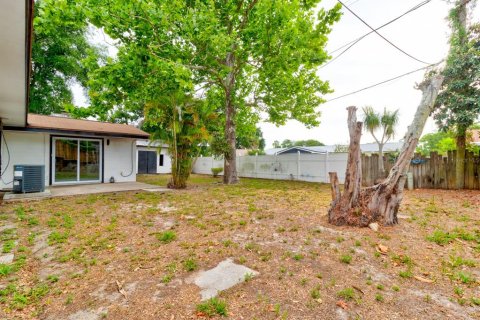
x=423, y=33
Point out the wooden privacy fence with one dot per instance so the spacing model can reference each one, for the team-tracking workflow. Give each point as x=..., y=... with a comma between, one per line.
x=434, y=172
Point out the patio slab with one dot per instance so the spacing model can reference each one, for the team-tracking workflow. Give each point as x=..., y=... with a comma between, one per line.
x=82, y=189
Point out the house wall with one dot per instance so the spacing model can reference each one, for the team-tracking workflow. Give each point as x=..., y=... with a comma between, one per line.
x=23, y=148
x=120, y=159
x=167, y=160
x=119, y=155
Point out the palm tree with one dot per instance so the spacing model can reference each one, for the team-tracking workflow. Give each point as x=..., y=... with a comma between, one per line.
x=384, y=123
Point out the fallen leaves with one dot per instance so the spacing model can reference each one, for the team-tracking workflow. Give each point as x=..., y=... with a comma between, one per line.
x=342, y=304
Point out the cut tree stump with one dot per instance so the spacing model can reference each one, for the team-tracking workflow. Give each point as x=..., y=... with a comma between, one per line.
x=360, y=207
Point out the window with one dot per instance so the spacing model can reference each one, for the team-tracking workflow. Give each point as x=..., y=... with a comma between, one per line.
x=161, y=160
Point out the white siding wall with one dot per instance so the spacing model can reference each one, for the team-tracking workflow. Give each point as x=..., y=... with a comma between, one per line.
x=167, y=160
x=34, y=148
x=23, y=148
x=120, y=159
x=304, y=167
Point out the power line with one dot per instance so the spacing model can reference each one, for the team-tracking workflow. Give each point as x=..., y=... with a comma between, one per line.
x=380, y=35
x=382, y=82
x=421, y=4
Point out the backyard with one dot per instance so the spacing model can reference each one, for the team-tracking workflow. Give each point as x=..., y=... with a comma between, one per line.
x=132, y=255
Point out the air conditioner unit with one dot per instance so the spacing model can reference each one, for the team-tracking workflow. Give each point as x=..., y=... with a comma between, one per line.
x=28, y=178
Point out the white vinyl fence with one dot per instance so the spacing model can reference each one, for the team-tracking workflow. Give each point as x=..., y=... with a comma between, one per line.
x=303, y=167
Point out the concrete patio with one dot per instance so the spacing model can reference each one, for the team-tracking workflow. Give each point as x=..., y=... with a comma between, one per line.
x=74, y=190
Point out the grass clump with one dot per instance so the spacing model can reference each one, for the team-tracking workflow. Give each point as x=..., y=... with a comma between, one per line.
x=167, y=236
x=57, y=237
x=347, y=294
x=464, y=277
x=190, y=264
x=212, y=307
x=8, y=246
x=346, y=258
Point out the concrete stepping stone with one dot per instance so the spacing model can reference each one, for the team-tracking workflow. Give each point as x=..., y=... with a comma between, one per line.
x=224, y=276
x=6, y=258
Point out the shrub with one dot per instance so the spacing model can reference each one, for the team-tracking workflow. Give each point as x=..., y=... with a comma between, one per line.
x=216, y=171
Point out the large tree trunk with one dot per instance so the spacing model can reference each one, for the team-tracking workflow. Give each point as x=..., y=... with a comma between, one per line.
x=381, y=202
x=461, y=132
x=460, y=159
x=230, y=158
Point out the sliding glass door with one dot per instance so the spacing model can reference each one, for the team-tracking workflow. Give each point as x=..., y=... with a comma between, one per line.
x=76, y=160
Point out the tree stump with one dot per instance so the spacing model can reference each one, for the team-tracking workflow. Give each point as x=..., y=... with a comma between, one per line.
x=360, y=207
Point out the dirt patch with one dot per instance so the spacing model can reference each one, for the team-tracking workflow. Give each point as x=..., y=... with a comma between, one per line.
x=132, y=255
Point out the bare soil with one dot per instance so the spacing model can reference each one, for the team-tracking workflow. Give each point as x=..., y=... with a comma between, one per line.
x=130, y=255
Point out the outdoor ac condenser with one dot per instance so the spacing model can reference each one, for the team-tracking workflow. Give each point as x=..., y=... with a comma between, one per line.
x=28, y=178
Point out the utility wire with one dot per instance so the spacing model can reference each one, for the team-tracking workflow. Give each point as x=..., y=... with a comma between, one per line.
x=382, y=82
x=421, y=4
x=354, y=42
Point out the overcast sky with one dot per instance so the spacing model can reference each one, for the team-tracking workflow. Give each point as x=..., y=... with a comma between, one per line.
x=423, y=34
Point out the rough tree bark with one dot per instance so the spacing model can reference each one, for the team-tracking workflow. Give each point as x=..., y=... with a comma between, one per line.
x=381, y=202
x=461, y=132
x=230, y=175
x=460, y=159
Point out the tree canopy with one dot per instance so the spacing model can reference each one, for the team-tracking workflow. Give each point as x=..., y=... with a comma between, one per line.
x=245, y=57
x=61, y=54
x=287, y=143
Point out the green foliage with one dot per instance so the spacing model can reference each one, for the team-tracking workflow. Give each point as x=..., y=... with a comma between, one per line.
x=243, y=58
x=458, y=103
x=249, y=138
x=346, y=258
x=287, y=143
x=61, y=54
x=256, y=153
x=347, y=294
x=167, y=236
x=216, y=171
x=383, y=122
x=190, y=264
x=212, y=307
x=439, y=142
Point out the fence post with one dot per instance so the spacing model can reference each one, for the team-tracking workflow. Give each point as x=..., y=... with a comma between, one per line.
x=298, y=165
x=326, y=168
x=255, y=168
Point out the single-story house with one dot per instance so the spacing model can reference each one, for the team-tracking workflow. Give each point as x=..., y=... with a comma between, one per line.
x=367, y=148
x=72, y=151
x=153, y=157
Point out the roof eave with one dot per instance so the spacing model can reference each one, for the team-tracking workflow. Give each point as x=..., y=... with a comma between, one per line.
x=79, y=132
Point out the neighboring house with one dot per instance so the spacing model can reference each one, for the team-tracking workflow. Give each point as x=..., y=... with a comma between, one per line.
x=367, y=148
x=72, y=151
x=153, y=157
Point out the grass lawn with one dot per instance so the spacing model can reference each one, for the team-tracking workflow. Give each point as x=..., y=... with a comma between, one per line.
x=132, y=255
